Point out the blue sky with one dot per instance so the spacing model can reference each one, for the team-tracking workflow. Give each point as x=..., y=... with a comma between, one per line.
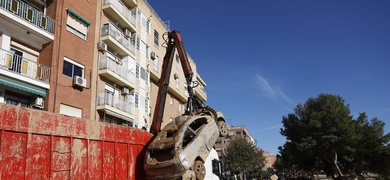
x=260, y=58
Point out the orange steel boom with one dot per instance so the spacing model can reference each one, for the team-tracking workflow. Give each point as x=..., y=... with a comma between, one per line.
x=193, y=103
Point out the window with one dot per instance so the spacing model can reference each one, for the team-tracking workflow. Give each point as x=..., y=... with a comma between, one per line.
x=148, y=25
x=146, y=105
x=144, y=74
x=137, y=71
x=147, y=52
x=192, y=130
x=77, y=24
x=130, y=63
x=127, y=123
x=70, y=111
x=133, y=39
x=17, y=59
x=177, y=62
x=136, y=97
x=72, y=68
x=139, y=16
x=180, y=107
x=216, y=167
x=144, y=21
x=171, y=100
x=138, y=43
x=156, y=36
x=155, y=64
x=177, y=84
x=17, y=99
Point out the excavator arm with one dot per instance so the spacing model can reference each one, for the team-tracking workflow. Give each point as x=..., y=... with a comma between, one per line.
x=182, y=146
x=174, y=41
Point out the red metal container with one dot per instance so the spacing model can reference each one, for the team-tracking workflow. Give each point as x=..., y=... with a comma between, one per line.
x=41, y=145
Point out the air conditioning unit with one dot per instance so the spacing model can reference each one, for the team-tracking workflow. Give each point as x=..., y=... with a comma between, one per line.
x=127, y=33
x=125, y=91
x=38, y=103
x=79, y=81
x=153, y=55
x=102, y=46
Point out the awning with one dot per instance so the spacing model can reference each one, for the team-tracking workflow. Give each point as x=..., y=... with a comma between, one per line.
x=112, y=113
x=14, y=83
x=78, y=16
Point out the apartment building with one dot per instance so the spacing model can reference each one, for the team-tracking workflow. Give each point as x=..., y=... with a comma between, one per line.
x=44, y=45
x=269, y=160
x=98, y=60
x=233, y=132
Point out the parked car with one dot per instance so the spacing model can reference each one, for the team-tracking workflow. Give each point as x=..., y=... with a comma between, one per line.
x=181, y=148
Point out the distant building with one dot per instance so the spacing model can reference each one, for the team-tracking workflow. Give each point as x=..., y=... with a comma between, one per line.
x=233, y=132
x=269, y=160
x=242, y=132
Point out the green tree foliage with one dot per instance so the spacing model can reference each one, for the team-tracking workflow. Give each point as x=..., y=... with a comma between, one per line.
x=371, y=155
x=242, y=157
x=285, y=162
x=323, y=137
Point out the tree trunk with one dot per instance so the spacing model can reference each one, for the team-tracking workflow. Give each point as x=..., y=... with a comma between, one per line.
x=241, y=176
x=335, y=166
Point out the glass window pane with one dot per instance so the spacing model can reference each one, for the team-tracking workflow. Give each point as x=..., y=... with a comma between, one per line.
x=137, y=71
x=78, y=71
x=67, y=69
x=136, y=100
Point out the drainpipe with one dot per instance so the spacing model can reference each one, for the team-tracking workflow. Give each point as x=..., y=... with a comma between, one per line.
x=58, y=54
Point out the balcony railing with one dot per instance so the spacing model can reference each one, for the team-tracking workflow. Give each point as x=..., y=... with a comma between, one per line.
x=29, y=14
x=128, y=14
x=115, y=101
x=202, y=89
x=117, y=34
x=116, y=67
x=24, y=66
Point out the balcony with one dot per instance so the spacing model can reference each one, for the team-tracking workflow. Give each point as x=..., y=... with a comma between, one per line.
x=119, y=13
x=116, y=73
x=26, y=23
x=201, y=93
x=116, y=41
x=131, y=3
x=23, y=69
x=199, y=89
x=177, y=93
x=115, y=105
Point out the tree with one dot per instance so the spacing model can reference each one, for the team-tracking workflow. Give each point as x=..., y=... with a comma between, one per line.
x=285, y=162
x=242, y=157
x=323, y=137
x=372, y=150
